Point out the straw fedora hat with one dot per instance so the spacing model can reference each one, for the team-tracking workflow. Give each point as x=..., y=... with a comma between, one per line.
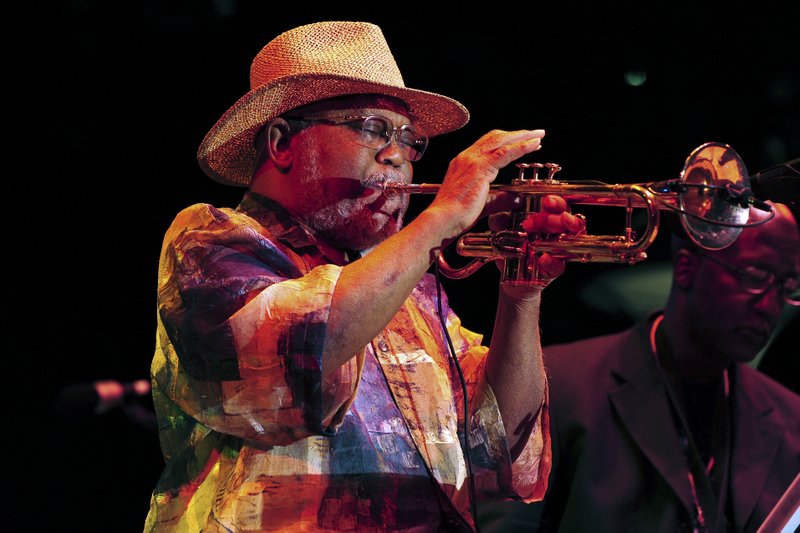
x=307, y=64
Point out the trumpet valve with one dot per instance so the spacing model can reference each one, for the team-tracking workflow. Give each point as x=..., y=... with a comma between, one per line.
x=525, y=166
x=552, y=169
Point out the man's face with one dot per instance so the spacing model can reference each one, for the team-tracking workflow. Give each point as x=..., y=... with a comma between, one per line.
x=728, y=322
x=332, y=172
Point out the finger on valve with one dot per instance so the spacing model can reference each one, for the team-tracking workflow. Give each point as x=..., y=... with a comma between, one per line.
x=554, y=223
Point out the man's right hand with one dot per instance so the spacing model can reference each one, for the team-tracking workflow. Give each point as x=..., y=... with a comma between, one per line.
x=464, y=193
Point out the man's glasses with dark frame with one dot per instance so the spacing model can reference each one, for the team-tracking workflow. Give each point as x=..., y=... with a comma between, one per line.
x=758, y=281
x=376, y=133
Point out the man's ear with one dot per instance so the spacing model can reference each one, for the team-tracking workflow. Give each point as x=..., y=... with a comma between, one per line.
x=684, y=268
x=278, y=134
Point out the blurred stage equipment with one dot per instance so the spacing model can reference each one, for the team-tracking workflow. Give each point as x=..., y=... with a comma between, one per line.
x=85, y=401
x=712, y=197
x=82, y=400
x=102, y=395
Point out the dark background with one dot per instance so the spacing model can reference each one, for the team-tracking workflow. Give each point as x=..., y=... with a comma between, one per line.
x=119, y=95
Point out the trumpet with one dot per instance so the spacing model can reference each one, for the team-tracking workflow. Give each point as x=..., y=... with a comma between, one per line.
x=712, y=197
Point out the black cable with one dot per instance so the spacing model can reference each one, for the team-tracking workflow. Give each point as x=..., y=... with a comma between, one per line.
x=465, y=448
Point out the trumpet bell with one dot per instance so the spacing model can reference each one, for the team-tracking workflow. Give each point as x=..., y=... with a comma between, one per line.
x=712, y=176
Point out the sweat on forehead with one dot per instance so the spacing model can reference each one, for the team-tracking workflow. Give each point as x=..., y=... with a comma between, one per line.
x=353, y=101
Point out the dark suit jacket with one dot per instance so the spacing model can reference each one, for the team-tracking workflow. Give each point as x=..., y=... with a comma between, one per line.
x=617, y=462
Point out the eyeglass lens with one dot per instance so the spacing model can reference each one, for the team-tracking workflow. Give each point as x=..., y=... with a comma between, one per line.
x=377, y=131
x=757, y=281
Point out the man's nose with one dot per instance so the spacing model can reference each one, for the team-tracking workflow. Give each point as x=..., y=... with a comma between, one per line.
x=391, y=153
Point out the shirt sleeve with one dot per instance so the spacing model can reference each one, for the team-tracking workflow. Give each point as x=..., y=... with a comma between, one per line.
x=497, y=475
x=241, y=330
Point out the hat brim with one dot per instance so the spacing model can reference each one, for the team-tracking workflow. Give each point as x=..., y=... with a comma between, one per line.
x=227, y=153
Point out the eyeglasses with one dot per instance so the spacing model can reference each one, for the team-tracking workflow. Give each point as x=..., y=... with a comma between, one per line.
x=376, y=132
x=757, y=281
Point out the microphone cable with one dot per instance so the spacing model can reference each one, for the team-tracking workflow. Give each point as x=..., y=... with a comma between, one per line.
x=465, y=447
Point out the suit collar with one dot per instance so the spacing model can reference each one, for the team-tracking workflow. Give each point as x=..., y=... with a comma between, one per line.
x=641, y=402
x=757, y=439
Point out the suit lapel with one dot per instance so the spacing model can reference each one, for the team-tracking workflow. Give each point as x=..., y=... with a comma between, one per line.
x=757, y=441
x=643, y=408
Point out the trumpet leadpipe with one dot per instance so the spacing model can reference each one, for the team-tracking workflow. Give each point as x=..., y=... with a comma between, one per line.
x=583, y=193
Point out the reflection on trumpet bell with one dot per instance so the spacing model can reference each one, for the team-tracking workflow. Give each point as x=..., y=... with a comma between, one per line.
x=712, y=197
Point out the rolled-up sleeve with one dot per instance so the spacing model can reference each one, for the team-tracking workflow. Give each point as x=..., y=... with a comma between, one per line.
x=497, y=475
x=241, y=331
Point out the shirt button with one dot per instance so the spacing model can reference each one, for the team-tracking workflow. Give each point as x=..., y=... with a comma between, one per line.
x=382, y=346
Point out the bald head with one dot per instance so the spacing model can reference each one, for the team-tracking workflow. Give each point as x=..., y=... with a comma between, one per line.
x=780, y=232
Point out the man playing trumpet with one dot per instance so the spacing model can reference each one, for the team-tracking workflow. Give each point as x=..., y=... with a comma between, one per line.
x=302, y=377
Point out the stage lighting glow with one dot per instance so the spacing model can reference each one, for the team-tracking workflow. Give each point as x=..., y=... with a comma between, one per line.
x=635, y=78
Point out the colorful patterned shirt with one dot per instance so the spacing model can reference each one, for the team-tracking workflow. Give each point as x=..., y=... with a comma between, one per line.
x=254, y=437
